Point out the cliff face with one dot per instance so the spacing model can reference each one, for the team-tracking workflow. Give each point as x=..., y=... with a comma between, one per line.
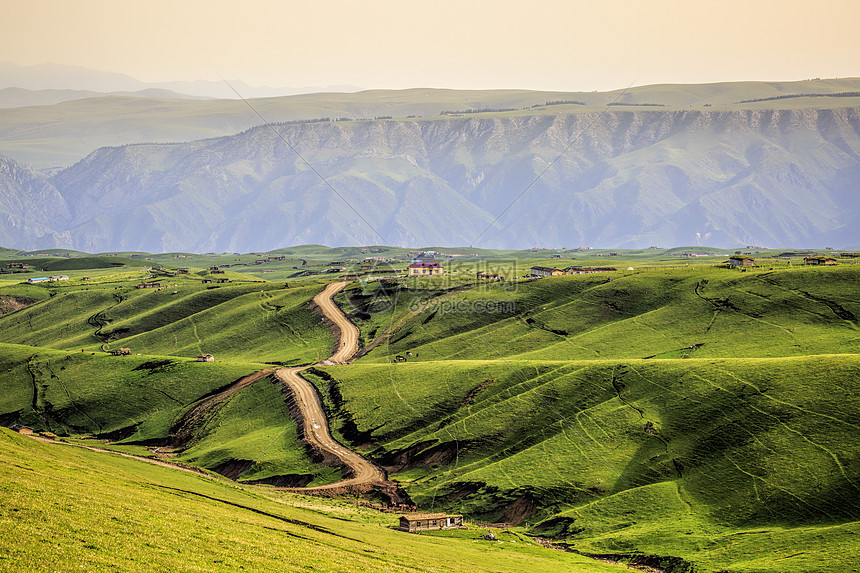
x=31, y=209
x=621, y=179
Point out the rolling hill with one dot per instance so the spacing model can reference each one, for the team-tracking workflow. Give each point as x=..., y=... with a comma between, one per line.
x=701, y=418
x=123, y=513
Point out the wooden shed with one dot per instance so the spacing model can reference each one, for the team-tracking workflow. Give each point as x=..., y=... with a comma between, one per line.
x=26, y=430
x=428, y=521
x=739, y=261
x=819, y=260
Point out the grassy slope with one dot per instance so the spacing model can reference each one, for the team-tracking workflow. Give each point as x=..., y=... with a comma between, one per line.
x=67, y=508
x=250, y=322
x=271, y=325
x=736, y=445
x=94, y=393
x=636, y=314
x=740, y=439
x=254, y=427
x=753, y=430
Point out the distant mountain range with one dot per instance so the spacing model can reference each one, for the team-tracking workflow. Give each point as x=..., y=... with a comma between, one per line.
x=771, y=164
x=62, y=77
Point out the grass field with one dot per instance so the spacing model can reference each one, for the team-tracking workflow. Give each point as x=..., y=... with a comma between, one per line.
x=651, y=313
x=617, y=456
x=65, y=508
x=702, y=416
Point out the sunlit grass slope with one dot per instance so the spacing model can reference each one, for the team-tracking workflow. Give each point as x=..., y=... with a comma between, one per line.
x=253, y=438
x=96, y=393
x=64, y=508
x=670, y=313
x=259, y=322
x=619, y=456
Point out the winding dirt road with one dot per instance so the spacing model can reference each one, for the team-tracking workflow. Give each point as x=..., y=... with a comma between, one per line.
x=348, y=332
x=316, y=429
x=365, y=474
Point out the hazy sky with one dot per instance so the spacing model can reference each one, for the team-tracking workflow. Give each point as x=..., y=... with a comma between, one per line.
x=549, y=44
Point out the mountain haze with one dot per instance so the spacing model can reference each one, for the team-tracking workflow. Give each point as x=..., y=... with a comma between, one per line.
x=629, y=179
x=772, y=164
x=60, y=76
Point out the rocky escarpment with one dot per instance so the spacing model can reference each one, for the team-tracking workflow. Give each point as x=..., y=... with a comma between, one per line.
x=31, y=208
x=619, y=178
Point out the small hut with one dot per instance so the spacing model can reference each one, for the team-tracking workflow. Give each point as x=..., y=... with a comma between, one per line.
x=26, y=430
x=819, y=260
x=740, y=261
x=428, y=521
x=205, y=358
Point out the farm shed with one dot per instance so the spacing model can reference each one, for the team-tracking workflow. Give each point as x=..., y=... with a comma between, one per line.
x=737, y=261
x=428, y=521
x=26, y=430
x=546, y=272
x=819, y=260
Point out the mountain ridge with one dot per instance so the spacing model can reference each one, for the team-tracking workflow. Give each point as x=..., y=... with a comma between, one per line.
x=628, y=179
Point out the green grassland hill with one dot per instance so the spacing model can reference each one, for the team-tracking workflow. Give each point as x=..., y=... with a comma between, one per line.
x=700, y=417
x=605, y=412
x=68, y=508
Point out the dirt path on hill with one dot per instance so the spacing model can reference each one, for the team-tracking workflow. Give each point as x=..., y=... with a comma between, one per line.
x=347, y=332
x=365, y=475
x=316, y=433
x=315, y=430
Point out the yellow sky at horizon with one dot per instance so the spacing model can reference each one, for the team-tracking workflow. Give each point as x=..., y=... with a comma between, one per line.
x=575, y=45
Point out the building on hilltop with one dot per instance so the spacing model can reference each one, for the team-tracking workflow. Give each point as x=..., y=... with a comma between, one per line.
x=739, y=261
x=426, y=268
x=205, y=358
x=819, y=260
x=545, y=272
x=428, y=521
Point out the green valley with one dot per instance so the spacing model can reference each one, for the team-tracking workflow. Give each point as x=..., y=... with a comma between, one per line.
x=675, y=412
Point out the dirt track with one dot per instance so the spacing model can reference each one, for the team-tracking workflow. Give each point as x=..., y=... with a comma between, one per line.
x=316, y=430
x=347, y=346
